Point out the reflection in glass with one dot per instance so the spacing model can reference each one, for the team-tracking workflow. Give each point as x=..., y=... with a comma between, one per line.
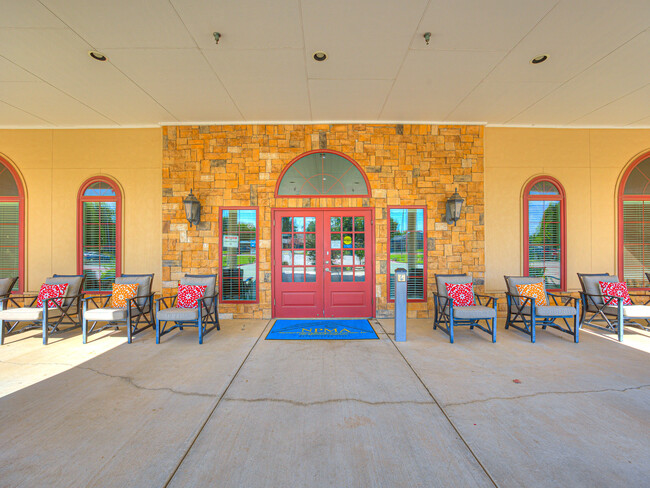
x=310, y=224
x=336, y=257
x=298, y=224
x=286, y=241
x=335, y=241
x=286, y=257
x=336, y=274
x=347, y=224
x=359, y=223
x=310, y=257
x=286, y=224
x=359, y=241
x=310, y=274
x=360, y=257
x=347, y=273
x=287, y=275
x=359, y=274
x=310, y=241
x=298, y=276
x=299, y=258
x=335, y=224
x=299, y=241
x=347, y=257
x=347, y=240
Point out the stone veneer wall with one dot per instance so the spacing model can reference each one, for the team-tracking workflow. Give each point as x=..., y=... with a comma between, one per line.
x=238, y=165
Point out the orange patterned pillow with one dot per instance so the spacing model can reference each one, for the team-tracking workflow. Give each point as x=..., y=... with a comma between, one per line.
x=121, y=293
x=536, y=291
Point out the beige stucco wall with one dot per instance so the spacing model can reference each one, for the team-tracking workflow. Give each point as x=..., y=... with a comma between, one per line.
x=588, y=163
x=55, y=163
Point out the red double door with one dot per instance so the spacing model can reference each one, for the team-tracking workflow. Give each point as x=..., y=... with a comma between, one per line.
x=323, y=263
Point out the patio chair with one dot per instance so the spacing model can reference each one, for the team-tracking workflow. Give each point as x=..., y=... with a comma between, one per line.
x=51, y=316
x=205, y=314
x=607, y=309
x=525, y=314
x=448, y=315
x=138, y=309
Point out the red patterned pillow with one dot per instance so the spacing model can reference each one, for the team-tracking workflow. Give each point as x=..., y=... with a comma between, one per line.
x=462, y=295
x=616, y=289
x=188, y=295
x=51, y=291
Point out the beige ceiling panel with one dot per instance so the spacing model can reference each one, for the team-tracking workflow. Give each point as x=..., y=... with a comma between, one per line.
x=60, y=58
x=12, y=118
x=630, y=110
x=477, y=25
x=123, y=23
x=498, y=102
x=11, y=72
x=244, y=24
x=574, y=35
x=267, y=85
x=46, y=102
x=181, y=80
x=364, y=39
x=432, y=83
x=27, y=14
x=347, y=100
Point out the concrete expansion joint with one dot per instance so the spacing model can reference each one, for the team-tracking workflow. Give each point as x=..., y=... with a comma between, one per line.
x=543, y=393
x=132, y=382
x=14, y=363
x=325, y=402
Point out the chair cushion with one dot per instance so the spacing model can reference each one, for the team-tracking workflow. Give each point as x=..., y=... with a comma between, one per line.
x=552, y=311
x=176, y=313
x=462, y=294
x=451, y=279
x=534, y=290
x=636, y=311
x=121, y=293
x=474, y=312
x=615, y=289
x=144, y=282
x=105, y=314
x=188, y=295
x=51, y=291
x=210, y=281
x=27, y=314
x=74, y=285
x=6, y=285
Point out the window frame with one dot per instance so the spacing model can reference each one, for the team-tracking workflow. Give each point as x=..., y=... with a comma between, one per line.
x=81, y=199
x=20, y=199
x=326, y=151
x=621, y=227
x=527, y=197
x=425, y=250
x=257, y=254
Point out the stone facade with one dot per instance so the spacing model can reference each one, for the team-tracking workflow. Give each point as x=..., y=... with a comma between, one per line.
x=238, y=166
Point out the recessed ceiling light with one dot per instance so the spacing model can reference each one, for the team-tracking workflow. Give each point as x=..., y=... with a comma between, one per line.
x=539, y=59
x=96, y=55
x=320, y=56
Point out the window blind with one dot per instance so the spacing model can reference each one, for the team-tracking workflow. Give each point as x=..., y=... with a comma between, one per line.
x=9, y=240
x=99, y=251
x=544, y=241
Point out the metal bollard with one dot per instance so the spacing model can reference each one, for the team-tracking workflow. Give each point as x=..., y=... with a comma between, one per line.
x=401, y=280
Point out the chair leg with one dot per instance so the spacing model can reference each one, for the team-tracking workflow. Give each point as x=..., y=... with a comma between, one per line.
x=84, y=329
x=45, y=326
x=451, y=328
x=200, y=328
x=576, y=329
x=2, y=332
x=157, y=331
x=532, y=328
x=494, y=330
x=620, y=326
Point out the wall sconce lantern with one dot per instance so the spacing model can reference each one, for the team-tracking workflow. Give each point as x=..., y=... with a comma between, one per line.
x=454, y=206
x=192, y=209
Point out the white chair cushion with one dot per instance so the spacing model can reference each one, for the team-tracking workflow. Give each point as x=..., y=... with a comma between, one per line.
x=636, y=311
x=20, y=314
x=105, y=314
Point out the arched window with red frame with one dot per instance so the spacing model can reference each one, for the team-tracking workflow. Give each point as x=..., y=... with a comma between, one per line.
x=545, y=231
x=12, y=225
x=99, y=234
x=634, y=223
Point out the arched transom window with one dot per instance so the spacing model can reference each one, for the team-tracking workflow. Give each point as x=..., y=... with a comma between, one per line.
x=634, y=224
x=12, y=225
x=99, y=230
x=322, y=173
x=545, y=231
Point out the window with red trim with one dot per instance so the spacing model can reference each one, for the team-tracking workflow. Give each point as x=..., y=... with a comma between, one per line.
x=99, y=234
x=545, y=232
x=407, y=248
x=12, y=225
x=634, y=223
x=239, y=255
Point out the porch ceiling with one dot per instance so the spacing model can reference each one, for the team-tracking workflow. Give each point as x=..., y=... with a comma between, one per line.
x=165, y=68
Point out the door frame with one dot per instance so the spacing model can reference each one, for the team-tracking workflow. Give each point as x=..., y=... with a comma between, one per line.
x=369, y=238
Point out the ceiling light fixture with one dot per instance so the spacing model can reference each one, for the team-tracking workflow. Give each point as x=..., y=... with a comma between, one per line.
x=97, y=56
x=217, y=36
x=539, y=59
x=427, y=37
x=320, y=56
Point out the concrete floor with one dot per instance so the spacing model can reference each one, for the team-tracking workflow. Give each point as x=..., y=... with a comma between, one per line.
x=240, y=411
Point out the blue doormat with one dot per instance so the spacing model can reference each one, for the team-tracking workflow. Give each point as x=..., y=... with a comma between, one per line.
x=313, y=329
